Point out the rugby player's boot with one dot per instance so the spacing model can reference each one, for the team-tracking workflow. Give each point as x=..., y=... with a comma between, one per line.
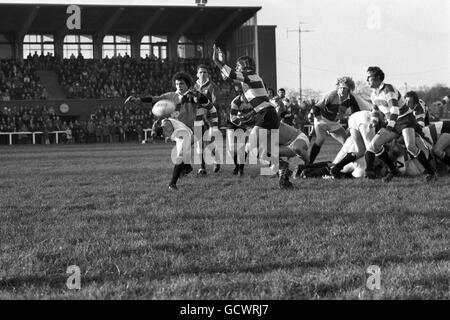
x=236, y=170
x=173, y=187
x=431, y=177
x=187, y=169
x=390, y=175
x=335, y=171
x=370, y=174
x=298, y=171
x=201, y=172
x=241, y=170
x=284, y=174
x=216, y=167
x=284, y=182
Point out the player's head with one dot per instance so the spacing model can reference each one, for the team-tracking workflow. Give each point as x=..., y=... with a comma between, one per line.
x=271, y=93
x=375, y=76
x=167, y=127
x=245, y=63
x=202, y=72
x=282, y=92
x=182, y=81
x=411, y=99
x=344, y=86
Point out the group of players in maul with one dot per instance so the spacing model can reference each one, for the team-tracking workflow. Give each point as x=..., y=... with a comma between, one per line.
x=390, y=137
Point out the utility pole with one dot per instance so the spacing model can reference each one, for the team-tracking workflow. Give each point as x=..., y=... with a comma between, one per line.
x=299, y=30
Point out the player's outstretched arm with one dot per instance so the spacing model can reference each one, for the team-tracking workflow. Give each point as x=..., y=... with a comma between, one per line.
x=132, y=99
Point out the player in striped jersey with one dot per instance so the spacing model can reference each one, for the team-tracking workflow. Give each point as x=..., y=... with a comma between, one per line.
x=401, y=122
x=439, y=134
x=326, y=114
x=418, y=107
x=253, y=88
x=209, y=89
x=239, y=119
x=292, y=142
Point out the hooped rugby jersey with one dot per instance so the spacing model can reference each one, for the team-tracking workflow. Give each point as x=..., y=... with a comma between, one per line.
x=434, y=130
x=240, y=108
x=252, y=86
x=389, y=100
x=420, y=111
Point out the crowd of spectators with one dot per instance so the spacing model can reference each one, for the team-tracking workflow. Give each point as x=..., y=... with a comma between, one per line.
x=19, y=81
x=106, y=124
x=119, y=77
x=116, y=77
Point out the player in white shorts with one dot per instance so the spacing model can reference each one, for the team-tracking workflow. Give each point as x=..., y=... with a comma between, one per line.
x=439, y=134
x=184, y=138
x=293, y=143
x=362, y=129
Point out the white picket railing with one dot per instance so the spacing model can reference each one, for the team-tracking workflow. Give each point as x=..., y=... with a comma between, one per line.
x=34, y=133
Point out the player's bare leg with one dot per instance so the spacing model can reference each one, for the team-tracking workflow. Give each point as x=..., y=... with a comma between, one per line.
x=409, y=135
x=441, y=149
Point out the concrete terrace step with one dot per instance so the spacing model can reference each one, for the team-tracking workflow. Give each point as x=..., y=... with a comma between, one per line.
x=49, y=79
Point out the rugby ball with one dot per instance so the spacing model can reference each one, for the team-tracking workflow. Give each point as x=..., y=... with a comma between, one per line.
x=163, y=108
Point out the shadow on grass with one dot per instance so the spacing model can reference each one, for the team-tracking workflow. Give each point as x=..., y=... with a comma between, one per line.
x=397, y=259
x=324, y=290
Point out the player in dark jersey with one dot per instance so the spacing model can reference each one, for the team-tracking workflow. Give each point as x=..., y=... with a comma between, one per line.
x=418, y=107
x=326, y=114
x=191, y=106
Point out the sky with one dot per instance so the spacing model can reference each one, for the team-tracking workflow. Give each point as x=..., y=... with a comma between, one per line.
x=408, y=39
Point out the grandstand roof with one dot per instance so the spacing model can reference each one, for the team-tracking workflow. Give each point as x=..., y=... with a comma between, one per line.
x=51, y=19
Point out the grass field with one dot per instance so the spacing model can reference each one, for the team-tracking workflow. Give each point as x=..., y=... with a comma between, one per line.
x=107, y=209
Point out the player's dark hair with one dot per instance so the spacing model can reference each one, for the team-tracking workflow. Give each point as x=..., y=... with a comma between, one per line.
x=203, y=66
x=413, y=95
x=182, y=76
x=247, y=63
x=282, y=89
x=377, y=72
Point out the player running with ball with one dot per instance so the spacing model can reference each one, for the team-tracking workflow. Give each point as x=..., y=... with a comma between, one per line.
x=190, y=108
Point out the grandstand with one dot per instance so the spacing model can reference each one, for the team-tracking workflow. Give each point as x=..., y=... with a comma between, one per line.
x=48, y=70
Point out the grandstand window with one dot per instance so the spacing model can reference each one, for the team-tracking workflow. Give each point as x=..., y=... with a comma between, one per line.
x=190, y=48
x=115, y=45
x=74, y=44
x=38, y=43
x=154, y=45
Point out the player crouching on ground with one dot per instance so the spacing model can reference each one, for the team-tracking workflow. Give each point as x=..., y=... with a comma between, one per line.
x=362, y=126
